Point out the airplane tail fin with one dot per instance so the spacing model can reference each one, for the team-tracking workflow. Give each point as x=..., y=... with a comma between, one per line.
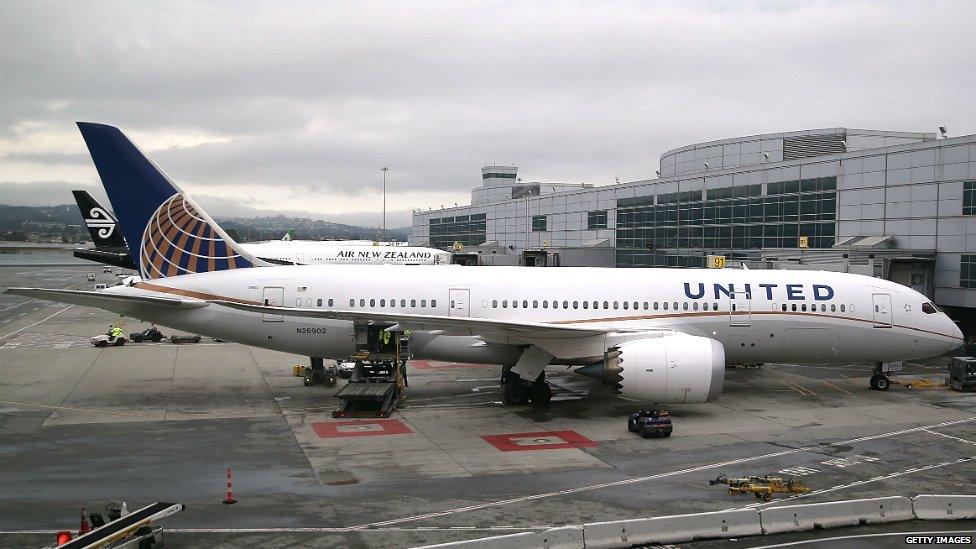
x=102, y=225
x=168, y=234
x=290, y=235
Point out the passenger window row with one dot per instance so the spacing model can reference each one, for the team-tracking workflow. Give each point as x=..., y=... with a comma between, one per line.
x=802, y=307
x=616, y=305
x=390, y=303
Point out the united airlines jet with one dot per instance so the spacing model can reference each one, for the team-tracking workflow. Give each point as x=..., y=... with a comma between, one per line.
x=659, y=335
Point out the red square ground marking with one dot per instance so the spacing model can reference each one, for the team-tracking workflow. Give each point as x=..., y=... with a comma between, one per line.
x=543, y=440
x=360, y=428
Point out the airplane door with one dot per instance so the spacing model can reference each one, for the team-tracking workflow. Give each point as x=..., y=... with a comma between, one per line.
x=299, y=259
x=273, y=297
x=882, y=310
x=460, y=302
x=740, y=308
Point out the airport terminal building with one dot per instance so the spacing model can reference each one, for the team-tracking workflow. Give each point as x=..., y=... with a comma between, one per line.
x=897, y=205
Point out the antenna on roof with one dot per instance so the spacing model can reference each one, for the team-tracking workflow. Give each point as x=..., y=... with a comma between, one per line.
x=942, y=130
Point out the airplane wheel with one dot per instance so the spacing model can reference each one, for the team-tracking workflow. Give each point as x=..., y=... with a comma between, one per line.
x=515, y=392
x=540, y=393
x=874, y=382
x=883, y=383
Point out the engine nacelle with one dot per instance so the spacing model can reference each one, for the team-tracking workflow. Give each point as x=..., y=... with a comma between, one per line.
x=674, y=369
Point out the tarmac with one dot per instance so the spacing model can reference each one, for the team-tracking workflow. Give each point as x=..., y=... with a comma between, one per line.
x=82, y=426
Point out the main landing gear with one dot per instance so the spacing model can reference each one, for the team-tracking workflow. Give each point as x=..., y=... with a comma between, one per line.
x=516, y=390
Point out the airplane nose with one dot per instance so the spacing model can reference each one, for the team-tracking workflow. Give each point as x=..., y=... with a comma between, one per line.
x=956, y=333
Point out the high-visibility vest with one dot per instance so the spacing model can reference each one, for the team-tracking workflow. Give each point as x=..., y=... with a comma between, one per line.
x=386, y=337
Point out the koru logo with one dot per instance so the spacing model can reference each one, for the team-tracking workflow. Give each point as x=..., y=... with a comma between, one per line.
x=100, y=220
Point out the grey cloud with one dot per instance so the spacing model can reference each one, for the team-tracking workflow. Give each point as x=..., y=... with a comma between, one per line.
x=320, y=96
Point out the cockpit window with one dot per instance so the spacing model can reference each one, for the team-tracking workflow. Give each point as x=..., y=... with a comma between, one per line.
x=929, y=309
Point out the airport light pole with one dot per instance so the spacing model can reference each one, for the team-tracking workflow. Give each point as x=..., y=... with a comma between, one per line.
x=385, y=169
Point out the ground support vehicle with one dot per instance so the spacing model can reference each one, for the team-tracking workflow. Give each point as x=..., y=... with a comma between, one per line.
x=149, y=334
x=104, y=340
x=378, y=379
x=184, y=338
x=650, y=423
x=763, y=487
x=962, y=373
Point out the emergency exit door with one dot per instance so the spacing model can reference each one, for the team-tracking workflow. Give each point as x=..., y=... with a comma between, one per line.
x=882, y=310
x=459, y=302
x=273, y=297
x=740, y=308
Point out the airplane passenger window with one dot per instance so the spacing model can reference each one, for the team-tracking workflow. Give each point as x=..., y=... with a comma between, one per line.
x=494, y=303
x=665, y=305
x=504, y=304
x=842, y=307
x=318, y=302
x=382, y=303
x=362, y=302
x=586, y=304
x=423, y=302
x=675, y=305
x=635, y=305
x=823, y=307
x=714, y=306
x=331, y=302
x=695, y=306
x=452, y=303
x=833, y=308
x=535, y=304
x=515, y=304
x=413, y=302
x=525, y=304
x=733, y=306
x=352, y=302
x=372, y=302
x=929, y=308
x=545, y=304
x=646, y=304
x=576, y=304
x=784, y=307
x=403, y=302
x=803, y=307
x=684, y=306
x=433, y=302
x=655, y=305
x=616, y=304
x=793, y=307
x=555, y=304
x=565, y=304
x=626, y=305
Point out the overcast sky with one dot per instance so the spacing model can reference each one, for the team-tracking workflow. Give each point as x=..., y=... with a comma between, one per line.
x=294, y=106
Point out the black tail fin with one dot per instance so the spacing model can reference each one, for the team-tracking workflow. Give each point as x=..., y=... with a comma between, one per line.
x=102, y=225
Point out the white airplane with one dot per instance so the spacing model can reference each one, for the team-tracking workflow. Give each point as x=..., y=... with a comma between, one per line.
x=112, y=249
x=660, y=335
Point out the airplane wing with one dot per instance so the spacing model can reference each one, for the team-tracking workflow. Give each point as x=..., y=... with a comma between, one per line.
x=561, y=340
x=120, y=303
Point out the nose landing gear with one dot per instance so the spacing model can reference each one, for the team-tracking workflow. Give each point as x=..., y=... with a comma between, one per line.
x=880, y=380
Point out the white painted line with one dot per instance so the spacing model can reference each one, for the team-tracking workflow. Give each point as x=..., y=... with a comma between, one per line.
x=634, y=480
x=967, y=441
x=45, y=319
x=17, y=305
x=862, y=482
x=317, y=530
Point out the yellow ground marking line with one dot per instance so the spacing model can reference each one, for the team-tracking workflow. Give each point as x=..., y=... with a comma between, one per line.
x=829, y=384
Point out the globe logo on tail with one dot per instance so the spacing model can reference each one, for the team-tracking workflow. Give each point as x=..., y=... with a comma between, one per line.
x=179, y=240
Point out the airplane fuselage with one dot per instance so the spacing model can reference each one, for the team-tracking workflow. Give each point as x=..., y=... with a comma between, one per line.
x=757, y=315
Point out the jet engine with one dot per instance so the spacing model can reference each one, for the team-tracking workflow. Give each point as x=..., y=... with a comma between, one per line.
x=673, y=369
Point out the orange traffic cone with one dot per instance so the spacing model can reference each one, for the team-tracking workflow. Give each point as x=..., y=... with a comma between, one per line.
x=229, y=500
x=85, y=527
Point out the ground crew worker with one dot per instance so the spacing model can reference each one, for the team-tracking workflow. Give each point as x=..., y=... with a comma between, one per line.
x=386, y=338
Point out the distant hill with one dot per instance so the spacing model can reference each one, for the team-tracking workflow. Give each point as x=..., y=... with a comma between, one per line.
x=64, y=224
